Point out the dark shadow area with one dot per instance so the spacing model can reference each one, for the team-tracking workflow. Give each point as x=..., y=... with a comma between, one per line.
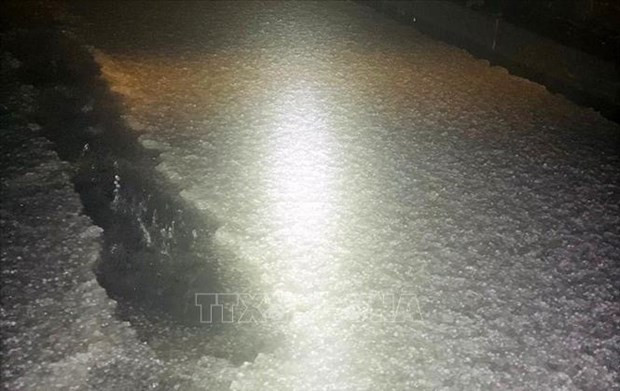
x=560, y=29
x=155, y=254
x=592, y=26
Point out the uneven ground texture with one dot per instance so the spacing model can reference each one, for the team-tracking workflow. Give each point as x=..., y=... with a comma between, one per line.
x=344, y=157
x=58, y=326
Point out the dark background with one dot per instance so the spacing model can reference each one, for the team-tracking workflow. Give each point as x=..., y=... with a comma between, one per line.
x=590, y=25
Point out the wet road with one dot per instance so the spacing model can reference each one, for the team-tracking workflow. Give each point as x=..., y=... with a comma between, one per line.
x=350, y=161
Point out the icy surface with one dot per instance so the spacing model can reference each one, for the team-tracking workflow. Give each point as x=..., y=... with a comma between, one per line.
x=58, y=326
x=344, y=155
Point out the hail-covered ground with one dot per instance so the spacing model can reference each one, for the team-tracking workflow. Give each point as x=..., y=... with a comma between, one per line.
x=396, y=214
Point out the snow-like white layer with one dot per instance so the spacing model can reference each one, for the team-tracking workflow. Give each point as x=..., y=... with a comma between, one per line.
x=58, y=326
x=347, y=155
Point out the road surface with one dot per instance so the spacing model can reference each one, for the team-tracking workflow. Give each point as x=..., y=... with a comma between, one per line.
x=404, y=215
